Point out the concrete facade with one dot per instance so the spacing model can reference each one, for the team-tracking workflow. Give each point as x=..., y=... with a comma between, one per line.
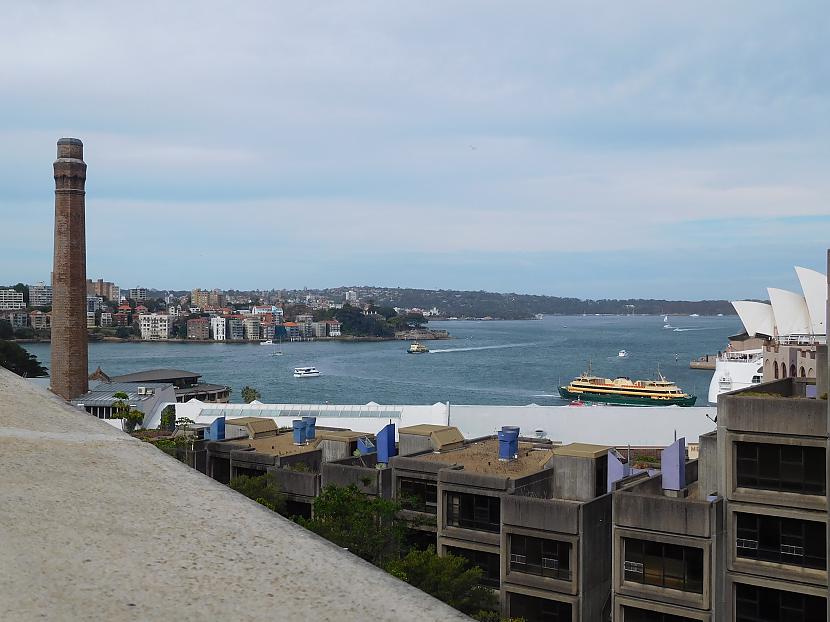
x=69, y=360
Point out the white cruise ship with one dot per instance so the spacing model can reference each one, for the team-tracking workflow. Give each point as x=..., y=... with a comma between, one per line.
x=787, y=328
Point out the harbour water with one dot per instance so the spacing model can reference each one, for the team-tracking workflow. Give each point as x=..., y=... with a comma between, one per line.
x=487, y=362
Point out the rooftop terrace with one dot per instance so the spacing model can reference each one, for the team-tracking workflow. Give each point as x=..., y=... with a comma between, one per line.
x=483, y=457
x=97, y=525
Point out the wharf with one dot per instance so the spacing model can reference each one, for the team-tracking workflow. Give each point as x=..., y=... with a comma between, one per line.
x=707, y=362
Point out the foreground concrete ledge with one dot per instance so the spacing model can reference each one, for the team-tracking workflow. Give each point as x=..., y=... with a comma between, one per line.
x=97, y=525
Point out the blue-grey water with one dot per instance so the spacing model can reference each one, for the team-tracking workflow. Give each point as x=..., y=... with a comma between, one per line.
x=487, y=362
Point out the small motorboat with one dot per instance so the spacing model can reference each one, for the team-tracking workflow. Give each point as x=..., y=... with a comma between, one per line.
x=267, y=342
x=622, y=354
x=306, y=372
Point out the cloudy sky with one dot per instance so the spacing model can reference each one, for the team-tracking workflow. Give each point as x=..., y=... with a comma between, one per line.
x=656, y=149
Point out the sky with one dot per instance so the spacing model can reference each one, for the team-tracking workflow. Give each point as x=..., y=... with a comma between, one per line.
x=590, y=149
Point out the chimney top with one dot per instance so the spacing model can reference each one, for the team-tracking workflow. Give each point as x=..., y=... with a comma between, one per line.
x=70, y=148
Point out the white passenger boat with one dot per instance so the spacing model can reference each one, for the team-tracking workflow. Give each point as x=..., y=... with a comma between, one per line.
x=306, y=372
x=622, y=354
x=267, y=342
x=736, y=369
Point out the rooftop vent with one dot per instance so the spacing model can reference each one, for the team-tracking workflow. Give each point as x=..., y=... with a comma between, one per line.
x=508, y=443
x=310, y=428
x=299, y=429
x=386, y=443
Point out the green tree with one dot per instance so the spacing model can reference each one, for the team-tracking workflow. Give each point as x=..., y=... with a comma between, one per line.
x=132, y=418
x=6, y=330
x=168, y=418
x=448, y=578
x=24, y=333
x=15, y=358
x=249, y=394
x=369, y=527
x=122, y=332
x=263, y=489
x=120, y=406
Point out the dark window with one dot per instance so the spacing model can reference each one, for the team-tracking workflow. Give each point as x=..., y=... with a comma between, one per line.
x=635, y=614
x=297, y=508
x=664, y=565
x=473, y=511
x=418, y=495
x=788, y=468
x=601, y=474
x=532, y=609
x=542, y=557
x=782, y=540
x=761, y=604
x=488, y=562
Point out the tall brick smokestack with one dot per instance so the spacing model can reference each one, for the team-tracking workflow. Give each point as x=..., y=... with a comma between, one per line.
x=69, y=366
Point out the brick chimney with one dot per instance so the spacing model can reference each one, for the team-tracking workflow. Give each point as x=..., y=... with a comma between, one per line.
x=69, y=366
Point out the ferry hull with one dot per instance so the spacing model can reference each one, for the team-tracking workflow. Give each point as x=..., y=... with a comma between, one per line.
x=626, y=400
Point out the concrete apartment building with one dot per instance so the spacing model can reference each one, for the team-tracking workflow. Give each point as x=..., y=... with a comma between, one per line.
x=250, y=328
x=138, y=294
x=198, y=329
x=105, y=289
x=234, y=330
x=154, y=326
x=533, y=516
x=772, y=445
x=668, y=540
x=217, y=328
x=40, y=320
x=744, y=537
x=11, y=300
x=40, y=295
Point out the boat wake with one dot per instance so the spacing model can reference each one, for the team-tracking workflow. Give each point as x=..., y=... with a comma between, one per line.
x=508, y=345
x=683, y=330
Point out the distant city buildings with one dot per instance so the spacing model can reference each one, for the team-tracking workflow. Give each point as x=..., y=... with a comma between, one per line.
x=11, y=300
x=154, y=326
x=105, y=289
x=217, y=328
x=198, y=329
x=40, y=295
x=351, y=297
x=138, y=294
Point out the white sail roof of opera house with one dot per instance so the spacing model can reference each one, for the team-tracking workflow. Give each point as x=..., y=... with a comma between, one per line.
x=757, y=317
x=790, y=309
x=788, y=313
x=814, y=285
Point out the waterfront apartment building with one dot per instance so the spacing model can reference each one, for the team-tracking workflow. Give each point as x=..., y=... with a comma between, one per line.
x=138, y=294
x=154, y=326
x=94, y=303
x=105, y=318
x=18, y=319
x=250, y=328
x=198, y=329
x=11, y=300
x=90, y=319
x=40, y=295
x=234, y=330
x=39, y=320
x=333, y=329
x=217, y=328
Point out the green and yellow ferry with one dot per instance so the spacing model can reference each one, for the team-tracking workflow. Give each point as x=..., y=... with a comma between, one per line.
x=624, y=391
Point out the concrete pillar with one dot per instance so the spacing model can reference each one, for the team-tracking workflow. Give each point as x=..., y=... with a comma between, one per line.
x=69, y=366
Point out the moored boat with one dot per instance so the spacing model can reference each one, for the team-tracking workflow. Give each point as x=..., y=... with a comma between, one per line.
x=626, y=392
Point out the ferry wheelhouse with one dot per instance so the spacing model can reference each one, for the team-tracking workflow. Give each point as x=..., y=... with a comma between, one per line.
x=626, y=392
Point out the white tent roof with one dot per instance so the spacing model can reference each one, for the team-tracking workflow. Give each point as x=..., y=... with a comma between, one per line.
x=814, y=285
x=790, y=310
x=757, y=317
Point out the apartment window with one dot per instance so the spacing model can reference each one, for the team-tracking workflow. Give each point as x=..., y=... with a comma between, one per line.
x=418, y=495
x=663, y=565
x=782, y=540
x=488, y=562
x=761, y=604
x=786, y=468
x=533, y=609
x=473, y=511
x=540, y=556
x=635, y=614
